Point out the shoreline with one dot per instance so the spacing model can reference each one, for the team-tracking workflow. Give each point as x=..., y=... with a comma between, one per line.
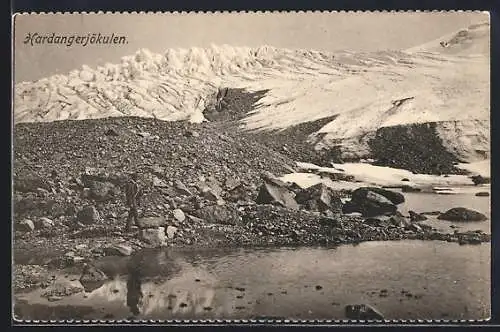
x=59, y=254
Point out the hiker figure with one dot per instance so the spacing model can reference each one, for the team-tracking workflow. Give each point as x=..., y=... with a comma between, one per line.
x=132, y=196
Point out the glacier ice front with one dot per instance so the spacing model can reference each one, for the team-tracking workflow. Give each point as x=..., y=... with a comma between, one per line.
x=302, y=86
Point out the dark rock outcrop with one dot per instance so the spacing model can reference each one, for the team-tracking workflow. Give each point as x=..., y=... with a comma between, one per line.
x=462, y=214
x=416, y=147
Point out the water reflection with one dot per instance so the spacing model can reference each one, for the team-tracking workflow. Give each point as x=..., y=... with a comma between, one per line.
x=134, y=291
x=404, y=280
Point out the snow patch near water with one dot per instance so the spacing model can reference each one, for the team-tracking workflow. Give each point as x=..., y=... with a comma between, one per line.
x=370, y=175
x=482, y=167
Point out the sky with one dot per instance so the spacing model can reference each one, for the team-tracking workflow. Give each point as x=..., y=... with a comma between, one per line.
x=160, y=31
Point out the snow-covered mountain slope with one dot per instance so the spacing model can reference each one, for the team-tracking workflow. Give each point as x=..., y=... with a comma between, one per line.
x=473, y=40
x=367, y=90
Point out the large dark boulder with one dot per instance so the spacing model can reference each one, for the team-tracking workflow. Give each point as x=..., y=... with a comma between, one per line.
x=319, y=197
x=462, y=214
x=274, y=191
x=370, y=204
x=394, y=197
x=478, y=179
x=88, y=215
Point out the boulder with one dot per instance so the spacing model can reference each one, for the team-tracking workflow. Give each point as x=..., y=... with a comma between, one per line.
x=376, y=198
x=157, y=182
x=217, y=214
x=102, y=191
x=181, y=188
x=214, y=185
x=231, y=183
x=416, y=217
x=209, y=194
x=399, y=220
x=43, y=223
x=483, y=194
x=274, y=191
x=171, y=230
x=462, y=214
x=371, y=205
x=179, y=215
x=394, y=197
x=319, y=197
x=239, y=194
x=416, y=228
x=362, y=312
x=118, y=250
x=153, y=236
x=26, y=225
x=478, y=179
x=88, y=215
x=151, y=222
x=295, y=188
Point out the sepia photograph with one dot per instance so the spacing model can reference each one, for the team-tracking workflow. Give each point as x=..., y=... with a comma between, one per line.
x=255, y=167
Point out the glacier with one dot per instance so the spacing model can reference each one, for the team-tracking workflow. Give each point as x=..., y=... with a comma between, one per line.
x=447, y=85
